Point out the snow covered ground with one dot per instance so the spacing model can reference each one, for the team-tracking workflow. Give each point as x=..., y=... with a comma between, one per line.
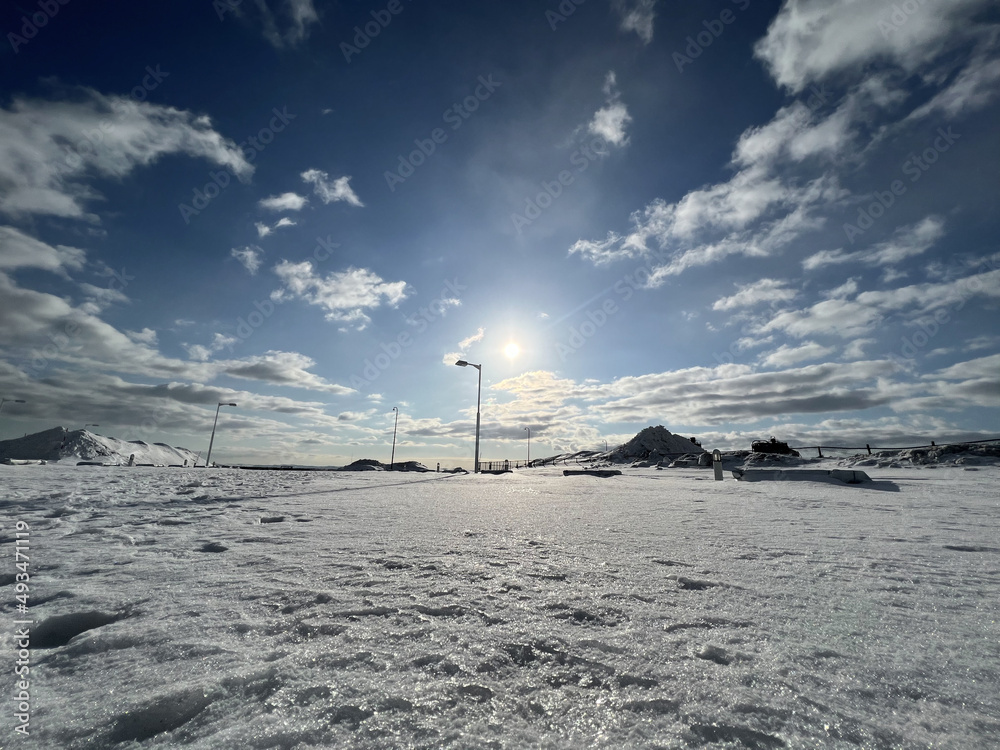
x=659, y=609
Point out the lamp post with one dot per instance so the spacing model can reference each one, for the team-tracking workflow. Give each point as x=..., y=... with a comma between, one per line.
x=479, y=390
x=605, y=446
x=392, y=459
x=208, y=458
x=529, y=443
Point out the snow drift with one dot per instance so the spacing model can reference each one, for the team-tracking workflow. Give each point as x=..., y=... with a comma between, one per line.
x=60, y=444
x=962, y=454
x=654, y=445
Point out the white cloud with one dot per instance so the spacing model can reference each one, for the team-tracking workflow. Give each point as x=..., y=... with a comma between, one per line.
x=609, y=121
x=18, y=250
x=290, y=25
x=283, y=368
x=145, y=336
x=98, y=298
x=973, y=88
x=905, y=243
x=856, y=349
x=48, y=149
x=250, y=256
x=795, y=133
x=785, y=356
x=200, y=353
x=263, y=230
x=848, y=289
x=702, y=395
x=49, y=334
x=303, y=13
x=852, y=318
x=331, y=192
x=811, y=40
x=986, y=341
x=637, y=16
x=463, y=346
x=470, y=340
x=345, y=295
x=283, y=202
x=986, y=368
x=764, y=290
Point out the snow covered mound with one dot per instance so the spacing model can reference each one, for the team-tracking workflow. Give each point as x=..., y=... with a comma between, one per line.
x=975, y=454
x=370, y=464
x=652, y=445
x=60, y=444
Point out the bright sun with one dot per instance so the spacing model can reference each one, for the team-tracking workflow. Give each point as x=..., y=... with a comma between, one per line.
x=512, y=350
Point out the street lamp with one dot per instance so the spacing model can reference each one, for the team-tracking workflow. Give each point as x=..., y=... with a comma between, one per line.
x=479, y=390
x=208, y=458
x=392, y=460
x=605, y=446
x=529, y=443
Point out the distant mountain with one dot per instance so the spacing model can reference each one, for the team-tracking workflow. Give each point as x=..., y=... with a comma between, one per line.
x=60, y=444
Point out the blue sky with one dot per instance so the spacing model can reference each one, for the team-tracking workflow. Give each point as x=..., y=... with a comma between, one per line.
x=734, y=218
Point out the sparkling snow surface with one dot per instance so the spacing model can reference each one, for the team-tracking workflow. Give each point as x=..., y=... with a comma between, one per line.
x=241, y=609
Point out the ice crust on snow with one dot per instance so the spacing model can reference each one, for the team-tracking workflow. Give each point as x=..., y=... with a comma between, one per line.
x=410, y=611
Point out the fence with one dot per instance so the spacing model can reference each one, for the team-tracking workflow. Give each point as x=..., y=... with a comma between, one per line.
x=578, y=459
x=819, y=448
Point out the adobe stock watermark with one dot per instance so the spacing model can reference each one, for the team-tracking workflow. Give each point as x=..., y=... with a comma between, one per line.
x=455, y=116
x=22, y=635
x=390, y=351
x=30, y=24
x=88, y=144
x=363, y=35
x=551, y=190
x=219, y=180
x=931, y=325
x=597, y=316
x=704, y=39
x=915, y=166
x=900, y=14
x=562, y=12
